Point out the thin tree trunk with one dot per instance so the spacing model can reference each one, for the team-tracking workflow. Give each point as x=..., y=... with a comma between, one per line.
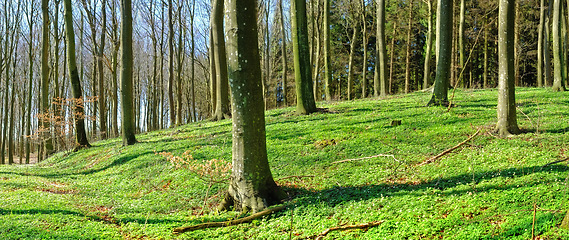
x=45, y=103
x=408, y=51
x=380, y=84
x=180, y=60
x=389, y=84
x=304, y=95
x=171, y=105
x=327, y=51
x=485, y=73
x=284, y=55
x=79, y=113
x=558, y=64
x=102, y=92
x=351, y=61
x=429, y=45
x=364, y=45
x=127, y=110
x=222, y=109
x=28, y=118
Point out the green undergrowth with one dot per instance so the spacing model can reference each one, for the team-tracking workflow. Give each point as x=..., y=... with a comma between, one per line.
x=489, y=188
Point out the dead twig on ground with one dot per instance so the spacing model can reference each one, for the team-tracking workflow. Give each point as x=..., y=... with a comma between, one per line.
x=555, y=162
x=430, y=160
x=230, y=222
x=363, y=158
x=346, y=227
x=299, y=177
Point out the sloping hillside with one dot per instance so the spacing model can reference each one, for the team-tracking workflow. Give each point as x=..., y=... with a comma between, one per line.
x=487, y=188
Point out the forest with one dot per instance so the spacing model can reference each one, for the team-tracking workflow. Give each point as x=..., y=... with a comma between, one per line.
x=300, y=119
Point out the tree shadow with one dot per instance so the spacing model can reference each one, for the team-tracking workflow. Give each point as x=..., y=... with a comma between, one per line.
x=341, y=194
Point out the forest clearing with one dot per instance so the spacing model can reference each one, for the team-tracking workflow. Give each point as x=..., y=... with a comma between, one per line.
x=488, y=188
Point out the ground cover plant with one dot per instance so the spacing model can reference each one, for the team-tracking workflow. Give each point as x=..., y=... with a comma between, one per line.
x=489, y=188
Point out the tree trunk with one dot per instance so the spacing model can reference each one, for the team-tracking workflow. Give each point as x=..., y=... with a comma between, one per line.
x=546, y=52
x=102, y=92
x=485, y=73
x=380, y=87
x=222, y=109
x=193, y=64
x=507, y=122
x=327, y=67
x=45, y=103
x=351, y=61
x=304, y=96
x=391, y=60
x=364, y=45
x=251, y=187
x=114, y=80
x=408, y=52
x=517, y=50
x=444, y=47
x=28, y=118
x=558, y=64
x=462, y=54
x=284, y=54
x=172, y=106
x=127, y=110
x=429, y=45
x=79, y=113
x=180, y=58
x=212, y=73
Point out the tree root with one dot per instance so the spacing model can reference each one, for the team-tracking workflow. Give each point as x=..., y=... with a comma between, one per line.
x=433, y=159
x=363, y=158
x=346, y=227
x=555, y=162
x=230, y=222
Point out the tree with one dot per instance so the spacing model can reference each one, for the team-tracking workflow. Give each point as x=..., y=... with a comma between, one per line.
x=540, y=42
x=127, y=109
x=507, y=122
x=443, y=48
x=408, y=52
x=222, y=109
x=380, y=79
x=364, y=45
x=429, y=43
x=102, y=92
x=284, y=53
x=302, y=71
x=558, y=63
x=251, y=186
x=79, y=112
x=327, y=68
x=47, y=143
x=171, y=63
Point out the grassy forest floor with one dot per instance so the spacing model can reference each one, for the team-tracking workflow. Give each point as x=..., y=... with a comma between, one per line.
x=490, y=188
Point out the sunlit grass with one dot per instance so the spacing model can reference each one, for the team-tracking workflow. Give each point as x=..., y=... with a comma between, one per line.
x=486, y=189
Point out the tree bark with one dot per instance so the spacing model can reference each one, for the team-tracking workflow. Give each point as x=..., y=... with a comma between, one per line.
x=79, y=112
x=28, y=118
x=45, y=103
x=429, y=45
x=485, y=73
x=327, y=51
x=408, y=52
x=351, y=61
x=127, y=110
x=364, y=45
x=284, y=54
x=380, y=86
x=507, y=122
x=558, y=64
x=102, y=92
x=462, y=54
x=444, y=47
x=222, y=109
x=304, y=96
x=251, y=187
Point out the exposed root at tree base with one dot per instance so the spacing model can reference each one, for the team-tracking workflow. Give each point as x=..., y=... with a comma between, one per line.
x=81, y=147
x=230, y=222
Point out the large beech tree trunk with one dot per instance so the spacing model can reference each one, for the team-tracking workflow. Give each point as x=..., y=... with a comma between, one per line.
x=47, y=143
x=444, y=55
x=507, y=122
x=558, y=64
x=79, y=111
x=252, y=187
x=327, y=67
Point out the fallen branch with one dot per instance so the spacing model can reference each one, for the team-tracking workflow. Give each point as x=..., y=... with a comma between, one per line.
x=301, y=176
x=555, y=162
x=228, y=223
x=363, y=158
x=430, y=160
x=346, y=227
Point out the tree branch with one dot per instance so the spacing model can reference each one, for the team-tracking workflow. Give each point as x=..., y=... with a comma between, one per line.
x=430, y=160
x=363, y=158
x=228, y=223
x=346, y=227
